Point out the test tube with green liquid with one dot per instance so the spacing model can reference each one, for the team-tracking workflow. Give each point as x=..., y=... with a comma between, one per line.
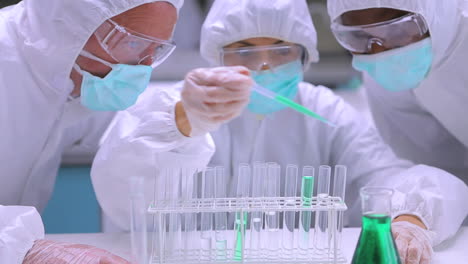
x=243, y=183
x=307, y=190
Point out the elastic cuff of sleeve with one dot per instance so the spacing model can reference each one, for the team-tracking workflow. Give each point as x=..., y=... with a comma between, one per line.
x=408, y=212
x=173, y=125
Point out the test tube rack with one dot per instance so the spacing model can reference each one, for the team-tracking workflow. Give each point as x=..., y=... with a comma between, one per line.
x=196, y=228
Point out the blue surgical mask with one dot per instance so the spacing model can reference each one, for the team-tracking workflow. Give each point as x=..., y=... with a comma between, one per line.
x=118, y=90
x=398, y=69
x=283, y=80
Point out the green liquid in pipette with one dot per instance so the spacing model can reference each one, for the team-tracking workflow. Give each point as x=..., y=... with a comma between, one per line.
x=300, y=108
x=240, y=228
x=376, y=242
x=307, y=193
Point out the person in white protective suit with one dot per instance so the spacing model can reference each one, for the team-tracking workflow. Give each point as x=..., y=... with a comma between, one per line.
x=54, y=56
x=275, y=40
x=413, y=56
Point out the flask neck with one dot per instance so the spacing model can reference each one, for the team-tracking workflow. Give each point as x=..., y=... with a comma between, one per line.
x=376, y=202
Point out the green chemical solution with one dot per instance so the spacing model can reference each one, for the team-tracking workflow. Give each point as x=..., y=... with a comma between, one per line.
x=307, y=193
x=240, y=235
x=376, y=245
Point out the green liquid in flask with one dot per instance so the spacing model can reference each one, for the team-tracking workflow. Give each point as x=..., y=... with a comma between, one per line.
x=376, y=245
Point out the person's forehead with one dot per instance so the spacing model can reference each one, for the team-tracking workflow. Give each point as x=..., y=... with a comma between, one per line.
x=153, y=19
x=370, y=16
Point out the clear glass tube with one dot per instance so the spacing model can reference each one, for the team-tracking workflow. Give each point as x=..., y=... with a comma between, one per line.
x=208, y=192
x=307, y=189
x=273, y=217
x=243, y=183
x=339, y=190
x=138, y=222
x=289, y=219
x=256, y=225
x=190, y=221
x=220, y=217
x=159, y=224
x=174, y=222
x=321, y=239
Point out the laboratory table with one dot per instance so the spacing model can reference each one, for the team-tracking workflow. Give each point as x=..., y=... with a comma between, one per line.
x=453, y=251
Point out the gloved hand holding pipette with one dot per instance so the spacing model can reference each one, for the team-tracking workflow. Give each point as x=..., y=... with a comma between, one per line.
x=211, y=97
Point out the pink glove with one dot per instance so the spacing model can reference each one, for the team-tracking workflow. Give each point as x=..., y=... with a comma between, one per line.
x=414, y=243
x=212, y=96
x=50, y=252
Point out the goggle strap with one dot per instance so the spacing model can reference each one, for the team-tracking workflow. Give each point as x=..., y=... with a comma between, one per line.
x=107, y=37
x=77, y=68
x=88, y=55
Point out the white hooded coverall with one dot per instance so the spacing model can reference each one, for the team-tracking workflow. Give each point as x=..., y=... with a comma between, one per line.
x=428, y=124
x=39, y=43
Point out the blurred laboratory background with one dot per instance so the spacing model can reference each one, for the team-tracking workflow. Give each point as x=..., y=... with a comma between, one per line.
x=73, y=207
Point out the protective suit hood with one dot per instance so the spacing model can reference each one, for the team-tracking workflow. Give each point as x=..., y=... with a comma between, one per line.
x=51, y=33
x=232, y=20
x=443, y=93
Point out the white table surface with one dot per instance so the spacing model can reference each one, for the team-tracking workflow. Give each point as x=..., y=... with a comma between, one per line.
x=453, y=251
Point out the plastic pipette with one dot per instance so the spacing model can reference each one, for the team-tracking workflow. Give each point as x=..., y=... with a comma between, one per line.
x=290, y=103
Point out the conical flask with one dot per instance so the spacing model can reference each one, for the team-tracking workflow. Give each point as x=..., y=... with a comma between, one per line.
x=376, y=244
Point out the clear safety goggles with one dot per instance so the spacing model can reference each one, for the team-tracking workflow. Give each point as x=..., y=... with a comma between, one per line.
x=258, y=57
x=130, y=47
x=389, y=34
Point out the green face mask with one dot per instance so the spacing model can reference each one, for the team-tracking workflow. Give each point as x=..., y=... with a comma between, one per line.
x=283, y=80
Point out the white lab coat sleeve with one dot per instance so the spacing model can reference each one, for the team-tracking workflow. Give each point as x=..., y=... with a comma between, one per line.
x=435, y=196
x=20, y=226
x=141, y=142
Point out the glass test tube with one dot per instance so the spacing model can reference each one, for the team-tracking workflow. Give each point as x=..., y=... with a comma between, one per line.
x=307, y=190
x=289, y=218
x=159, y=223
x=321, y=220
x=220, y=217
x=273, y=216
x=173, y=195
x=256, y=225
x=207, y=218
x=138, y=222
x=191, y=193
x=243, y=182
x=339, y=190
